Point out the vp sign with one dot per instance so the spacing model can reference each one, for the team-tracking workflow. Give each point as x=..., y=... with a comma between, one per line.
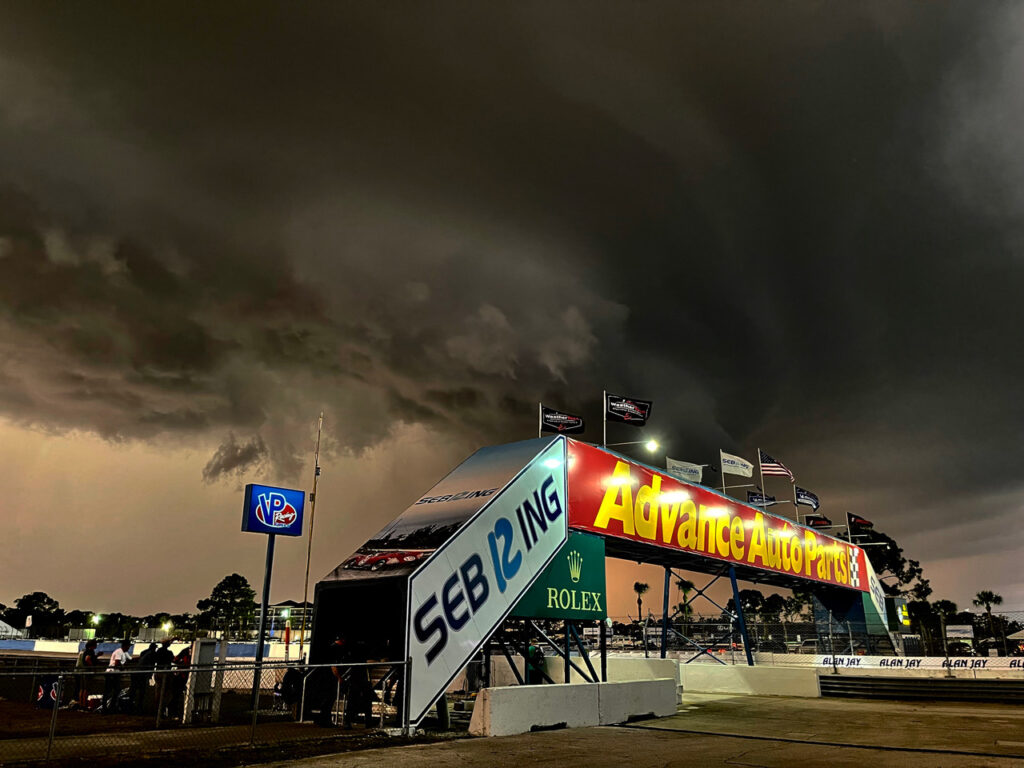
x=460, y=595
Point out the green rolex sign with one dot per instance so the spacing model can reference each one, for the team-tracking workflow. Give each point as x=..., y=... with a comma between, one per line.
x=572, y=586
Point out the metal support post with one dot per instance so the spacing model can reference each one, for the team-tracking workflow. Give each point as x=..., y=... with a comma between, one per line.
x=257, y=676
x=664, y=612
x=739, y=616
x=565, y=666
x=53, y=717
x=604, y=651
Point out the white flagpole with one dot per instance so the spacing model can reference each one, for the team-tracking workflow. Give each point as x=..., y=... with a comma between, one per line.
x=764, y=492
x=309, y=545
x=540, y=420
x=796, y=506
x=721, y=466
x=604, y=418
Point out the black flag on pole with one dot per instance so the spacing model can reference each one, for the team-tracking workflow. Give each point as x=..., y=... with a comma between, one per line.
x=817, y=521
x=557, y=421
x=760, y=500
x=628, y=410
x=808, y=499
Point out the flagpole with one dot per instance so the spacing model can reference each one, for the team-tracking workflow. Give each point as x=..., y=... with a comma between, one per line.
x=309, y=545
x=796, y=507
x=721, y=465
x=604, y=418
x=760, y=471
x=849, y=532
x=540, y=419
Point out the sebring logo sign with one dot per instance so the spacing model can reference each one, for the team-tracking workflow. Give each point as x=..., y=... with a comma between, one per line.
x=468, y=586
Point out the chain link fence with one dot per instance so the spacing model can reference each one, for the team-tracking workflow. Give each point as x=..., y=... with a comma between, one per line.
x=49, y=710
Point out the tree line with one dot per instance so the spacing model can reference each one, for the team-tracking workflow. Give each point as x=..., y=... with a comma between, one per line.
x=230, y=608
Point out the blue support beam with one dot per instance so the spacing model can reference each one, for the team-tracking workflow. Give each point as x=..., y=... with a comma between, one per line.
x=739, y=616
x=664, y=613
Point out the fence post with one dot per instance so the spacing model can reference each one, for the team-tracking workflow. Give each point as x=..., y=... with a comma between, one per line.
x=53, y=717
x=257, y=681
x=160, y=698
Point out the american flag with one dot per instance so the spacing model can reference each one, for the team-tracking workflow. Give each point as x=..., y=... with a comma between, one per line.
x=770, y=466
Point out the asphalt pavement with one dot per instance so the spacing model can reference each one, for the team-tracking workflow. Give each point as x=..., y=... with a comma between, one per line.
x=767, y=732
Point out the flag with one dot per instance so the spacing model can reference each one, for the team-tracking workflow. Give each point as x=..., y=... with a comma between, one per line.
x=734, y=465
x=760, y=500
x=860, y=522
x=684, y=470
x=628, y=410
x=556, y=421
x=817, y=521
x=318, y=471
x=770, y=466
x=808, y=499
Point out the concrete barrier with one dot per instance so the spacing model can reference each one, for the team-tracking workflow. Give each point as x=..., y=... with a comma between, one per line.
x=618, y=702
x=620, y=668
x=754, y=681
x=522, y=708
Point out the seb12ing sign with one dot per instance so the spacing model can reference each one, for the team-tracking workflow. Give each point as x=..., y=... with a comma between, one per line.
x=273, y=510
x=467, y=587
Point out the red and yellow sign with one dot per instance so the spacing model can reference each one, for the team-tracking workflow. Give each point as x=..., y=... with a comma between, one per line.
x=614, y=497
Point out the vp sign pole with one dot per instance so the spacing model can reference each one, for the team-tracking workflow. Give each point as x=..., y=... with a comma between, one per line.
x=275, y=512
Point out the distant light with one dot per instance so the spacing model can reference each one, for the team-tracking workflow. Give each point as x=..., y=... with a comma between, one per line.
x=96, y=618
x=285, y=613
x=167, y=626
x=652, y=445
x=552, y=463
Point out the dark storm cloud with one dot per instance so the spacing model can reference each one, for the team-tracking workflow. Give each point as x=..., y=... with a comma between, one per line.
x=791, y=224
x=235, y=458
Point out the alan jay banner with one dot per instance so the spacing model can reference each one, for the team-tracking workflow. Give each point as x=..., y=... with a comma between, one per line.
x=808, y=499
x=684, y=470
x=557, y=421
x=628, y=410
x=734, y=465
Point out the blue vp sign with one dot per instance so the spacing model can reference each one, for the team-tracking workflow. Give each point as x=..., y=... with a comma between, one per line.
x=273, y=510
x=467, y=587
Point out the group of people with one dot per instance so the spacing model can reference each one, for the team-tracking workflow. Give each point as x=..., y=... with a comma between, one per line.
x=156, y=667
x=352, y=683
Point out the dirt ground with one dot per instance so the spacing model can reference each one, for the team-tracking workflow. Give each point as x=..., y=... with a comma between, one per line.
x=21, y=719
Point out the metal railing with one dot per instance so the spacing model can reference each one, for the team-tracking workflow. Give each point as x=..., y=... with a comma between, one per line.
x=50, y=710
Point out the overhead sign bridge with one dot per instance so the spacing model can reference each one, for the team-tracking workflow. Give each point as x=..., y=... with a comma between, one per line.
x=461, y=558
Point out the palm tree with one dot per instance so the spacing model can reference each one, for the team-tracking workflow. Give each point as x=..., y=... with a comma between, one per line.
x=685, y=609
x=640, y=588
x=988, y=598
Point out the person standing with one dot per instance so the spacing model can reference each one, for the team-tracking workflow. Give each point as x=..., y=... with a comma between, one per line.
x=85, y=667
x=112, y=687
x=163, y=659
x=140, y=679
x=182, y=663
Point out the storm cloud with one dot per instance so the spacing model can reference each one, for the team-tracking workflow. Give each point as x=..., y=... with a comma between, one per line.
x=794, y=226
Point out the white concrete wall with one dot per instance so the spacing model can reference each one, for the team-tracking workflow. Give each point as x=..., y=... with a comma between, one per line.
x=520, y=708
x=755, y=681
x=620, y=668
x=618, y=702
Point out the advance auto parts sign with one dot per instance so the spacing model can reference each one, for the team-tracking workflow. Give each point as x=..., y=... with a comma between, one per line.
x=572, y=587
x=459, y=596
x=614, y=497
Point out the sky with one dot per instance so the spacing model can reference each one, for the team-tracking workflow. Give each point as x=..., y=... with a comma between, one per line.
x=793, y=226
